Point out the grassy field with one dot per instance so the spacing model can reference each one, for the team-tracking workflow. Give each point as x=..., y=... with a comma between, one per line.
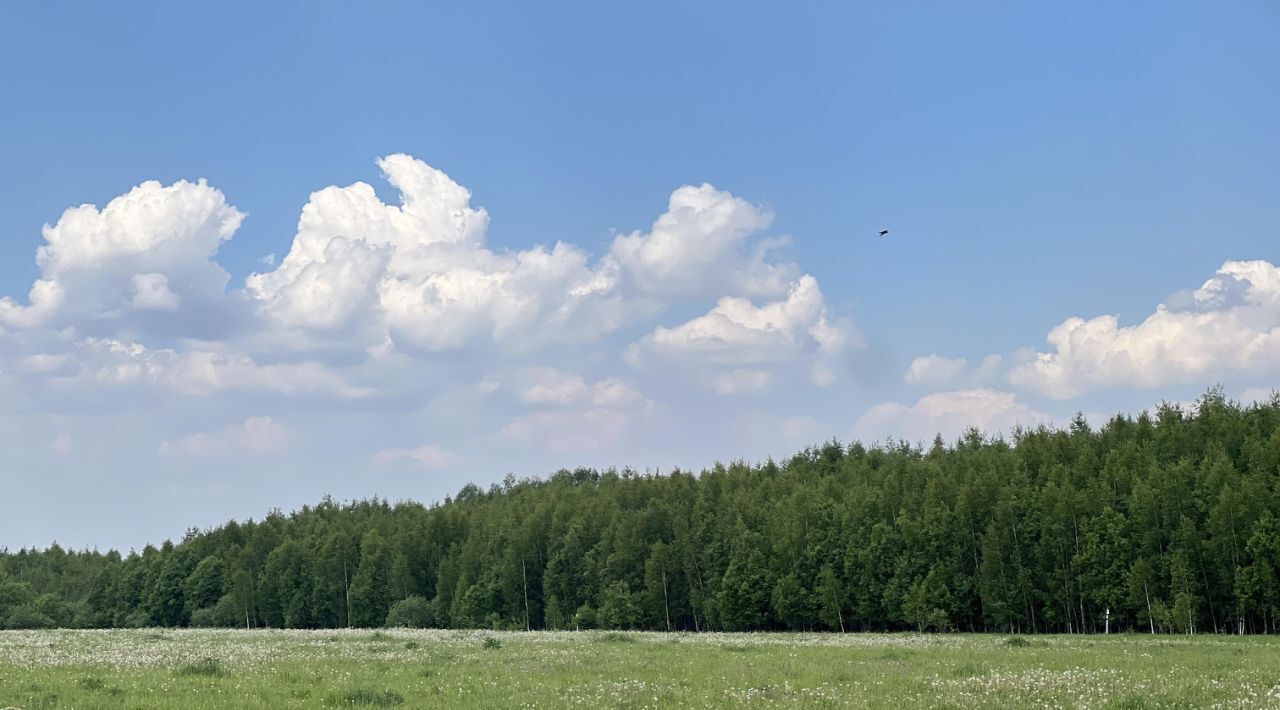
x=427, y=669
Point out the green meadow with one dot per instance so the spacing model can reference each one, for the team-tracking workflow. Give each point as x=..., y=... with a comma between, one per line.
x=192, y=669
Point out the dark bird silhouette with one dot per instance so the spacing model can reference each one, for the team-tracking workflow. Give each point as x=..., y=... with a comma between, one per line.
x=884, y=232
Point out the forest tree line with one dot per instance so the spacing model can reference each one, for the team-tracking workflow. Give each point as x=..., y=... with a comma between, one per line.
x=1164, y=522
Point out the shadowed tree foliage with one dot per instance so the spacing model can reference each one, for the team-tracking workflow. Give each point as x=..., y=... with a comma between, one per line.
x=1163, y=522
x=371, y=586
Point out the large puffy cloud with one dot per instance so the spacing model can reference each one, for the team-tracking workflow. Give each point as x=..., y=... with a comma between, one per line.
x=148, y=250
x=696, y=246
x=419, y=277
x=364, y=278
x=1231, y=323
x=738, y=333
x=420, y=272
x=378, y=307
x=522, y=300
x=324, y=291
x=948, y=414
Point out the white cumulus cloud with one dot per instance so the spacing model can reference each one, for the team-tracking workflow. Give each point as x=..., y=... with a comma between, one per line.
x=737, y=333
x=696, y=246
x=421, y=273
x=378, y=308
x=148, y=249
x=1231, y=323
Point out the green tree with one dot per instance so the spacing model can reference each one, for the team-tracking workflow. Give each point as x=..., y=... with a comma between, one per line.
x=743, y=601
x=370, y=587
x=618, y=607
x=203, y=587
x=831, y=597
x=792, y=603
x=1104, y=561
x=926, y=604
x=413, y=612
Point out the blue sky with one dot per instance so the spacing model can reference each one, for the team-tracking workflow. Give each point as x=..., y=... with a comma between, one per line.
x=1033, y=164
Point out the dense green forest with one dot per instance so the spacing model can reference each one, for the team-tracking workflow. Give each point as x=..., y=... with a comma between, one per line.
x=1167, y=522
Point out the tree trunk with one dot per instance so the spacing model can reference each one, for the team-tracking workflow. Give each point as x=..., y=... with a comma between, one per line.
x=346, y=590
x=524, y=577
x=1208, y=597
x=666, y=604
x=1150, y=618
x=702, y=587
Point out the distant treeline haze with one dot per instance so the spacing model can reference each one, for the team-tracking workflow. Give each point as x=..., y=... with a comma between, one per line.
x=1165, y=523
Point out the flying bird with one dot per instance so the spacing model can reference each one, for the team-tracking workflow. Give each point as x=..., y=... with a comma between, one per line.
x=884, y=232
